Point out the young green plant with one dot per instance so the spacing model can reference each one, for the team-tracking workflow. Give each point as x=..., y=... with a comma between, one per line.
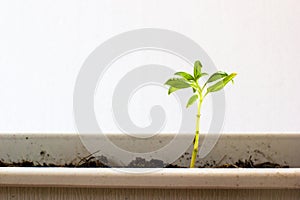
x=214, y=83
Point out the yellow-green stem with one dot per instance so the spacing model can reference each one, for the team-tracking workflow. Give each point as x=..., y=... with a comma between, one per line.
x=196, y=139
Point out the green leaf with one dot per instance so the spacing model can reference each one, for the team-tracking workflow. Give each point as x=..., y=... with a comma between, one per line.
x=216, y=76
x=185, y=75
x=219, y=85
x=192, y=100
x=178, y=83
x=172, y=89
x=197, y=69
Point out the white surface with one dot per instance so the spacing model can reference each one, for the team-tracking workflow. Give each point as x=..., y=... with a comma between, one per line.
x=43, y=44
x=162, y=178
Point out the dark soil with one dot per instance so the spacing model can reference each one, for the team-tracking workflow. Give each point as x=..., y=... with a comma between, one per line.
x=88, y=164
x=240, y=164
x=93, y=162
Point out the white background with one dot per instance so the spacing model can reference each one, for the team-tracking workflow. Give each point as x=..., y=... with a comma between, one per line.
x=44, y=43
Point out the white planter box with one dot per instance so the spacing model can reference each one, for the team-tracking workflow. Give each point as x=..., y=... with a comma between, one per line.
x=67, y=148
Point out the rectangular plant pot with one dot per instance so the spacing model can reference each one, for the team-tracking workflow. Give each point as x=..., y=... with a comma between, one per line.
x=60, y=149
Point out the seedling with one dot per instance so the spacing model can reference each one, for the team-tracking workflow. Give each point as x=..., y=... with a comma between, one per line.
x=186, y=80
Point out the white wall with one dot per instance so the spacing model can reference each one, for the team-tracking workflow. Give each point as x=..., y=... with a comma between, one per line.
x=44, y=43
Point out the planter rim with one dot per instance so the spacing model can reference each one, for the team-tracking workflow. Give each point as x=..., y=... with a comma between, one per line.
x=161, y=178
x=162, y=134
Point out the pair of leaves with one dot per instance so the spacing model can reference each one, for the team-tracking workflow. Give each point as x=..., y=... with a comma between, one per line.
x=185, y=75
x=220, y=84
x=177, y=84
x=187, y=80
x=216, y=76
x=181, y=83
x=198, y=70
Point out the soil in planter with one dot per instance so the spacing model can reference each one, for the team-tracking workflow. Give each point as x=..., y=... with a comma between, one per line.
x=248, y=163
x=92, y=162
x=86, y=162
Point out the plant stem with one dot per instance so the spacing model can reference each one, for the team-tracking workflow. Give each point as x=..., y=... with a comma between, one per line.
x=196, y=139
